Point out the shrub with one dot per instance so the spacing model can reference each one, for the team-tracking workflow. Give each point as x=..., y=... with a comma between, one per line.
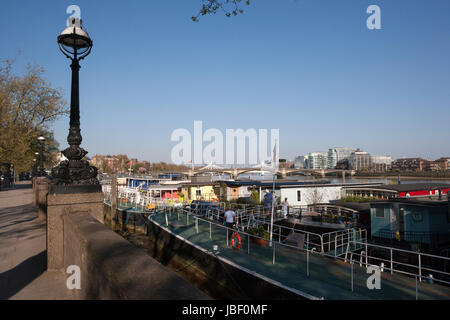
x=258, y=231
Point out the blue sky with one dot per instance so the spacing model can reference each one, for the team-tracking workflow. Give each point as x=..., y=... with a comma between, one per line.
x=309, y=68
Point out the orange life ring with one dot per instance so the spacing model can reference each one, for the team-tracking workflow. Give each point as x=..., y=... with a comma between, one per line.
x=239, y=241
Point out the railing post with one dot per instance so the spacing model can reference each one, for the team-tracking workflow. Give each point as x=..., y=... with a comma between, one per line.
x=392, y=263
x=417, y=290
x=226, y=229
x=279, y=234
x=196, y=224
x=420, y=268
x=335, y=245
x=248, y=244
x=307, y=262
x=351, y=266
x=307, y=241
x=210, y=236
x=367, y=253
x=273, y=255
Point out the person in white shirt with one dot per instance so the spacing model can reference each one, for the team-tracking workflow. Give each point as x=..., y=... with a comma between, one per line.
x=229, y=219
x=285, y=208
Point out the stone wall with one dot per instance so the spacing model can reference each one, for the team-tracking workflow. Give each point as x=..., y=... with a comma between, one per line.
x=215, y=276
x=113, y=268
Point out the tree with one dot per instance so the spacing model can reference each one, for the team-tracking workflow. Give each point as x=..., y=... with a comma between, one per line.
x=314, y=198
x=228, y=7
x=255, y=197
x=28, y=105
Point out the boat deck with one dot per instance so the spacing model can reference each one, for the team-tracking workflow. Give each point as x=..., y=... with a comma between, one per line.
x=310, y=273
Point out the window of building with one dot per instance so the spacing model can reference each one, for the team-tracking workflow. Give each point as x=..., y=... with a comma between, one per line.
x=417, y=216
x=198, y=192
x=299, y=195
x=379, y=212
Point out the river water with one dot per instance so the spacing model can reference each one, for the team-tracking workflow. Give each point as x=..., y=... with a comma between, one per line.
x=338, y=180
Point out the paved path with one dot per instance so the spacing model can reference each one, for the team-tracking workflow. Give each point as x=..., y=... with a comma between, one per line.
x=23, y=250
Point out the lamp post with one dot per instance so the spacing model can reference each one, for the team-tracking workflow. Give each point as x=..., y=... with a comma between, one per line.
x=76, y=45
x=41, y=171
x=36, y=164
x=34, y=167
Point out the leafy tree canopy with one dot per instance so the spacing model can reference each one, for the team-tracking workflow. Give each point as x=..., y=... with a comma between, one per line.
x=228, y=7
x=28, y=106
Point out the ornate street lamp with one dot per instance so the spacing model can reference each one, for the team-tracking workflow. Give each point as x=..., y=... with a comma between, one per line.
x=41, y=171
x=76, y=45
x=34, y=167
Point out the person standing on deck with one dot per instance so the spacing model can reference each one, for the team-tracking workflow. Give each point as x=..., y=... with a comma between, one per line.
x=268, y=201
x=285, y=208
x=229, y=219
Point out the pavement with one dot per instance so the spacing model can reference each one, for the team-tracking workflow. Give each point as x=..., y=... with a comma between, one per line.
x=23, y=255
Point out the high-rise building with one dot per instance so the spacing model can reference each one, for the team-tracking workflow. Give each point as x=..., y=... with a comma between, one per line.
x=381, y=163
x=301, y=162
x=318, y=160
x=360, y=160
x=337, y=154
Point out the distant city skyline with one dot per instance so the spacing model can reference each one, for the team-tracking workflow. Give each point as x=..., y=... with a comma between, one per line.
x=310, y=68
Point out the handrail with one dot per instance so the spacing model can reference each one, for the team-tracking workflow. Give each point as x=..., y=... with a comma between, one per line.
x=354, y=255
x=347, y=237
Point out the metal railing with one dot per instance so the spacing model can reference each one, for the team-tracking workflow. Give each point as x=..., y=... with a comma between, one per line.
x=349, y=245
x=430, y=238
x=337, y=241
x=342, y=245
x=364, y=254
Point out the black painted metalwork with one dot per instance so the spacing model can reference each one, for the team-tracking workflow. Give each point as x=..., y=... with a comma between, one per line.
x=75, y=170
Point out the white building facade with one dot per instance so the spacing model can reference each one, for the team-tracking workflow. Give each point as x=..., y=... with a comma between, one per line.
x=302, y=196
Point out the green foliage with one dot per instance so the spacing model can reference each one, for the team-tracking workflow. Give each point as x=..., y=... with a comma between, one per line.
x=255, y=197
x=228, y=7
x=259, y=231
x=28, y=105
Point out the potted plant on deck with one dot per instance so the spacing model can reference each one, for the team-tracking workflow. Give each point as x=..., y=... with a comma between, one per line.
x=262, y=236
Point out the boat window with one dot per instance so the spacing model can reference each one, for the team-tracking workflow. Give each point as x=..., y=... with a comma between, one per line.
x=299, y=195
x=379, y=212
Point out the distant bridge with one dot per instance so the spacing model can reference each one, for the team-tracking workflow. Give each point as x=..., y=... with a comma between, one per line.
x=283, y=172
